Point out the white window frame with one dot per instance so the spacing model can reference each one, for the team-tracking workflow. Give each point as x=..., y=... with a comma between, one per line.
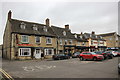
x=47, y=53
x=36, y=38
x=70, y=42
x=27, y=38
x=47, y=40
x=45, y=28
x=20, y=54
x=60, y=41
x=22, y=25
x=66, y=41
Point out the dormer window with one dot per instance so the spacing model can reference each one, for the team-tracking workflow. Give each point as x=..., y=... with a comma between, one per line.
x=75, y=36
x=45, y=28
x=101, y=37
x=64, y=33
x=22, y=25
x=81, y=37
x=35, y=27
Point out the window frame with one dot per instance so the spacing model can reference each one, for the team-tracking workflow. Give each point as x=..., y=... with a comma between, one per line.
x=39, y=39
x=47, y=40
x=27, y=38
x=20, y=50
x=61, y=41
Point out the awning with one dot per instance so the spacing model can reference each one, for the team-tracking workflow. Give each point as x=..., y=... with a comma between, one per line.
x=69, y=46
x=102, y=47
x=82, y=47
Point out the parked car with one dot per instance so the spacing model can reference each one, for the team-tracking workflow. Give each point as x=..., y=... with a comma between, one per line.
x=118, y=68
x=60, y=56
x=109, y=53
x=90, y=56
x=114, y=53
x=102, y=53
x=76, y=55
x=118, y=53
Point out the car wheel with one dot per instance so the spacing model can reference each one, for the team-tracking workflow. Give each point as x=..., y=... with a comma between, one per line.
x=81, y=58
x=95, y=59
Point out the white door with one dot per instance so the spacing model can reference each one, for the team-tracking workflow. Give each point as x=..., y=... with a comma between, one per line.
x=37, y=53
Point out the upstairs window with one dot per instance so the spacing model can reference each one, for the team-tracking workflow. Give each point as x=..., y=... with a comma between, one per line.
x=83, y=43
x=37, y=39
x=64, y=33
x=70, y=42
x=24, y=39
x=45, y=28
x=48, y=40
x=65, y=42
x=22, y=25
x=60, y=41
x=35, y=27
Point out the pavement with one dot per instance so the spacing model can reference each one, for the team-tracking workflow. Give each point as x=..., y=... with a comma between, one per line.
x=69, y=68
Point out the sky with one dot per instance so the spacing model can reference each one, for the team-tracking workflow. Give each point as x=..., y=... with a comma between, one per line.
x=82, y=16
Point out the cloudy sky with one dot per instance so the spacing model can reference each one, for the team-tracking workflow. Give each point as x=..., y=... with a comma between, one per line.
x=101, y=17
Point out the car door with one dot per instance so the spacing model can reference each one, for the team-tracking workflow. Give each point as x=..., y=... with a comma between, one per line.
x=84, y=55
x=89, y=56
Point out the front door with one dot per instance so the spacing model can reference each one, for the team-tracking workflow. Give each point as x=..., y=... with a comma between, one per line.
x=37, y=53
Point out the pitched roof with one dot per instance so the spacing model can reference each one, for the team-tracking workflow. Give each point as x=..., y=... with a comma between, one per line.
x=29, y=28
x=107, y=34
x=59, y=32
x=78, y=38
x=92, y=36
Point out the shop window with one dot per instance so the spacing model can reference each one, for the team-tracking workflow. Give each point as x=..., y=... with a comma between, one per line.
x=24, y=52
x=49, y=51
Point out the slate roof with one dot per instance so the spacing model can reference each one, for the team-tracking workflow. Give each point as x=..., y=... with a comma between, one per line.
x=59, y=32
x=29, y=28
x=79, y=38
x=107, y=34
x=92, y=36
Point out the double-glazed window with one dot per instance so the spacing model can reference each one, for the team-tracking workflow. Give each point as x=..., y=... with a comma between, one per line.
x=37, y=39
x=24, y=39
x=48, y=40
x=24, y=52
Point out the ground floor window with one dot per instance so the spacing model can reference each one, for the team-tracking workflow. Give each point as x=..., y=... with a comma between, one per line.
x=24, y=51
x=49, y=51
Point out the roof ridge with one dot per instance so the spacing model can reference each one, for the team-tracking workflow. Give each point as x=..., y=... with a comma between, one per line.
x=28, y=22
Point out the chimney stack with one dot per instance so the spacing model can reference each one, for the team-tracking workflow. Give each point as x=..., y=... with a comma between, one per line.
x=67, y=26
x=9, y=15
x=81, y=32
x=93, y=32
x=47, y=21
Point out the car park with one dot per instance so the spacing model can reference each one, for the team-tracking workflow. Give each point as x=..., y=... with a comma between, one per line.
x=75, y=55
x=102, y=53
x=118, y=68
x=109, y=53
x=90, y=56
x=60, y=57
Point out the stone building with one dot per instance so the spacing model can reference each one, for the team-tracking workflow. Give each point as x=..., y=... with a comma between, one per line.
x=112, y=40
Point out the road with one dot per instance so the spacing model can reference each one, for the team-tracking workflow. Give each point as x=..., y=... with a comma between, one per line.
x=71, y=68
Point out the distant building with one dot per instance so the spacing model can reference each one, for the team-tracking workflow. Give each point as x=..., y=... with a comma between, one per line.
x=95, y=42
x=112, y=40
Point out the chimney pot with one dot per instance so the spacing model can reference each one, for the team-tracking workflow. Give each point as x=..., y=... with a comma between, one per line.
x=9, y=15
x=47, y=22
x=67, y=26
x=93, y=32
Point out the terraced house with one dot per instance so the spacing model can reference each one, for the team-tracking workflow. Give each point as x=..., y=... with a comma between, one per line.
x=28, y=40
x=112, y=40
x=95, y=42
x=66, y=41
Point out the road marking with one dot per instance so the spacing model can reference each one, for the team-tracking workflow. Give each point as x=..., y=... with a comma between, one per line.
x=37, y=68
x=6, y=74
